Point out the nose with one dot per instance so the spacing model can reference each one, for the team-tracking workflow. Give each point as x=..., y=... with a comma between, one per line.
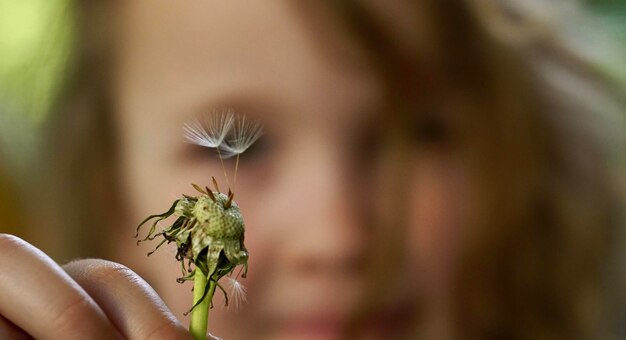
x=321, y=227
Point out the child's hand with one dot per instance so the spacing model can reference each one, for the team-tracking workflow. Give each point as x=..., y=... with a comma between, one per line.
x=85, y=299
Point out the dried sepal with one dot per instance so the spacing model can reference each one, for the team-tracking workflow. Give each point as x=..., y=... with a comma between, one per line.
x=210, y=194
x=217, y=187
x=199, y=189
x=158, y=218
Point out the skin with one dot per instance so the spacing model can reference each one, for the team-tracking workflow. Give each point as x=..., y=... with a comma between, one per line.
x=93, y=299
x=304, y=193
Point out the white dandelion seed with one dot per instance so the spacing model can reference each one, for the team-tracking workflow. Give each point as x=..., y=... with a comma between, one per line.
x=217, y=126
x=237, y=293
x=213, y=337
x=243, y=134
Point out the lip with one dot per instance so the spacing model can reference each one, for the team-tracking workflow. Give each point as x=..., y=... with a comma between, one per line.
x=319, y=311
x=392, y=319
x=322, y=320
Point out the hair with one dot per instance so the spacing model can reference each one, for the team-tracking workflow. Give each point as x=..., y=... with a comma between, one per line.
x=538, y=260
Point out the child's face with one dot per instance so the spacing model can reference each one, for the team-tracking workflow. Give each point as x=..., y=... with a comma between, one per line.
x=305, y=190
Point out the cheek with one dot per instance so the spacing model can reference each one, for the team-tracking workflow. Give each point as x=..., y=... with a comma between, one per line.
x=256, y=203
x=438, y=216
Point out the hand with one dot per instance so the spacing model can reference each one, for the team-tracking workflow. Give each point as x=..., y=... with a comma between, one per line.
x=85, y=299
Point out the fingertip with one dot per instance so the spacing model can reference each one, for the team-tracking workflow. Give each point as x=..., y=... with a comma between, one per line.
x=127, y=299
x=41, y=299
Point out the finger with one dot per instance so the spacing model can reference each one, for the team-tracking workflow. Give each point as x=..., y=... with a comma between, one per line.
x=37, y=296
x=10, y=332
x=129, y=302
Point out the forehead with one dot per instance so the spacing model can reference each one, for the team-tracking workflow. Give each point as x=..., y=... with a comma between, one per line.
x=201, y=54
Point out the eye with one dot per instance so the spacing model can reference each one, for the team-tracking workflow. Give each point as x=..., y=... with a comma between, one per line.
x=257, y=166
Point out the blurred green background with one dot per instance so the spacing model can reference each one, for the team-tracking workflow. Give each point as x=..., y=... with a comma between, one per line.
x=35, y=40
x=613, y=12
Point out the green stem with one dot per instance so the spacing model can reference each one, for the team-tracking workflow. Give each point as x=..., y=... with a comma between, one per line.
x=200, y=314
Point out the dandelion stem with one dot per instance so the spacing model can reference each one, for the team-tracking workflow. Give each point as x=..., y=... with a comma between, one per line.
x=219, y=155
x=236, y=169
x=200, y=314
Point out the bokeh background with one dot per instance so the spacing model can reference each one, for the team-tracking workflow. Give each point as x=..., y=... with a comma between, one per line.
x=35, y=58
x=37, y=63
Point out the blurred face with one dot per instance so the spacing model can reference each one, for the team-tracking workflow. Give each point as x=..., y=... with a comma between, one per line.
x=305, y=189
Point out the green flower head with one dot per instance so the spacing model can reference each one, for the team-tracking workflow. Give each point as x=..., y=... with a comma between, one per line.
x=208, y=232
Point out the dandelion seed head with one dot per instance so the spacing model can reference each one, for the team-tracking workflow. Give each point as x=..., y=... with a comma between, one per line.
x=211, y=134
x=243, y=134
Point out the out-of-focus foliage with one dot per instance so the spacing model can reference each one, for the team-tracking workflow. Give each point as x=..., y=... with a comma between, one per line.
x=10, y=221
x=34, y=45
x=35, y=39
x=613, y=13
